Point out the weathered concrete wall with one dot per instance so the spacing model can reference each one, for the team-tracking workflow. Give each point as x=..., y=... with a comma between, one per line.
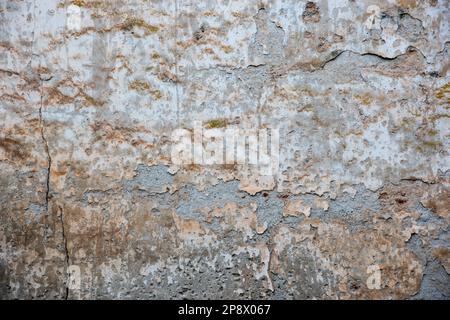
x=92, y=90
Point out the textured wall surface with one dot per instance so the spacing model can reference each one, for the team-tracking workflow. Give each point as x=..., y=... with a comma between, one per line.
x=93, y=207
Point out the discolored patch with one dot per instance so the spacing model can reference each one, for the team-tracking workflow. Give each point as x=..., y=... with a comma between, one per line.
x=311, y=14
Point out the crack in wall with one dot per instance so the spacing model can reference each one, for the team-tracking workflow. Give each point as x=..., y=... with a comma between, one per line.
x=66, y=250
x=46, y=147
x=41, y=106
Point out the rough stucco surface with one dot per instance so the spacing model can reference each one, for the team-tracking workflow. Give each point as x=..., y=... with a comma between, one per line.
x=361, y=99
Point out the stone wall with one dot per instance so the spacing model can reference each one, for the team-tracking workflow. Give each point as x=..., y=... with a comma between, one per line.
x=92, y=205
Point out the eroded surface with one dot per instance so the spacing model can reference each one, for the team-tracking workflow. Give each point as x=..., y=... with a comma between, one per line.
x=92, y=90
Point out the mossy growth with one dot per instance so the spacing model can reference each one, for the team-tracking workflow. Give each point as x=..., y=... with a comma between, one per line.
x=427, y=140
x=156, y=94
x=227, y=49
x=307, y=108
x=443, y=93
x=429, y=145
x=432, y=132
x=130, y=23
x=139, y=85
x=210, y=14
x=79, y=3
x=216, y=123
x=144, y=86
x=365, y=98
x=98, y=4
x=166, y=219
x=89, y=100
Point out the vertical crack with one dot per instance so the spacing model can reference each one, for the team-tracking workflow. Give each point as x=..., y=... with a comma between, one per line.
x=66, y=250
x=41, y=104
x=41, y=119
x=49, y=158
